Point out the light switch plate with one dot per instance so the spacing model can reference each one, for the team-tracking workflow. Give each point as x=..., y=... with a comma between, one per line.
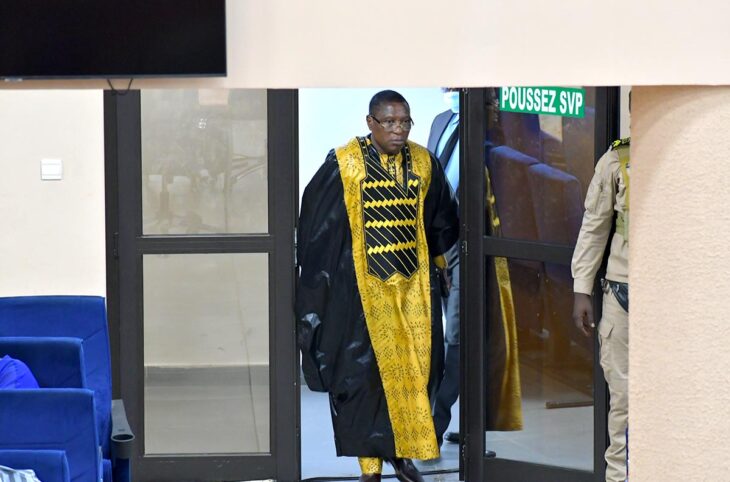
x=51, y=169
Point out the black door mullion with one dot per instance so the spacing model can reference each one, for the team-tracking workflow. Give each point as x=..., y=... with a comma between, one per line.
x=516, y=471
x=606, y=130
x=129, y=139
x=213, y=244
x=283, y=198
x=528, y=250
x=227, y=468
x=111, y=201
x=128, y=136
x=472, y=302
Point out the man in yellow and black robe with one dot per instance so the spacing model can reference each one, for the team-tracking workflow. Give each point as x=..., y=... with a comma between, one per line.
x=375, y=221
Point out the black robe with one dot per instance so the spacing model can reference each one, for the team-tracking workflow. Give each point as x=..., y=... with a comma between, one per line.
x=337, y=356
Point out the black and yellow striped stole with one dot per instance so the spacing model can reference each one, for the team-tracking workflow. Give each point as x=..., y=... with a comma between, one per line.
x=390, y=214
x=390, y=253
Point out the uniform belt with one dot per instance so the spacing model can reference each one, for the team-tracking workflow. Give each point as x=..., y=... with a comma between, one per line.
x=620, y=291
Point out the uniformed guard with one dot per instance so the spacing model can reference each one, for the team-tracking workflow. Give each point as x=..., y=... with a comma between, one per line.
x=607, y=210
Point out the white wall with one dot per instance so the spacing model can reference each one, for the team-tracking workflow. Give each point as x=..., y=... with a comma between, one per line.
x=427, y=43
x=52, y=239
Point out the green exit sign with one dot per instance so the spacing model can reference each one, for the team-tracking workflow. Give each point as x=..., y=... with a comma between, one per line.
x=568, y=102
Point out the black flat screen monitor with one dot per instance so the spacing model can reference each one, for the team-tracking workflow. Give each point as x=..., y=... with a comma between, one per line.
x=112, y=38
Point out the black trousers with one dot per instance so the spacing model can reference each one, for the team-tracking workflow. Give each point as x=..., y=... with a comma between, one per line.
x=448, y=391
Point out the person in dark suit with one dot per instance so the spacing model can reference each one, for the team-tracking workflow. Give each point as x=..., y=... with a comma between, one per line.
x=443, y=141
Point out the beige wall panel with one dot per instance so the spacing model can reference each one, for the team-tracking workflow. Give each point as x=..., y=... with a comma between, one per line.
x=52, y=238
x=679, y=258
x=323, y=43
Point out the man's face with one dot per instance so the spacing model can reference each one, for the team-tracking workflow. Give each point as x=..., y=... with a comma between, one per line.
x=389, y=141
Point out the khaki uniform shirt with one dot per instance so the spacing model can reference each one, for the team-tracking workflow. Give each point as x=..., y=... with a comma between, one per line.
x=606, y=196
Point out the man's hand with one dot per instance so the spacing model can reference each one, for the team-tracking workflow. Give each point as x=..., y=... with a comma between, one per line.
x=583, y=313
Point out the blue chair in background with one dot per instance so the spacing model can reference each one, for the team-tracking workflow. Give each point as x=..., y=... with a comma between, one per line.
x=559, y=213
x=524, y=133
x=48, y=465
x=54, y=362
x=509, y=174
x=83, y=318
x=57, y=364
x=36, y=420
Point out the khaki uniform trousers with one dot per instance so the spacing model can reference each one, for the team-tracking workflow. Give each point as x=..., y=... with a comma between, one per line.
x=613, y=336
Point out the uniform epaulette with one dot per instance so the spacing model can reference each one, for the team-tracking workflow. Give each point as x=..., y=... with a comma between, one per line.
x=620, y=142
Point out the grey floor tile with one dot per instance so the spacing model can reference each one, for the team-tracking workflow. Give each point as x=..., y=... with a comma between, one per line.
x=215, y=410
x=224, y=410
x=318, y=447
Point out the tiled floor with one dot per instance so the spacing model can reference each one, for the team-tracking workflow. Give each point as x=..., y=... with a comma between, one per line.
x=427, y=478
x=318, y=446
x=560, y=437
x=452, y=477
x=226, y=410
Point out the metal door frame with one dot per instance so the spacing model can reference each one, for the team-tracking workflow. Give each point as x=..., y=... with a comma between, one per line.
x=475, y=247
x=125, y=248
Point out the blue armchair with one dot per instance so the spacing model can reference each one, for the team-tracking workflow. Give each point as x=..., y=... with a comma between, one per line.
x=54, y=362
x=48, y=465
x=53, y=419
x=84, y=318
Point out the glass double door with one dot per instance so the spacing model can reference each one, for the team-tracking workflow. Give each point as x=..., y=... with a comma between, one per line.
x=202, y=206
x=533, y=397
x=202, y=211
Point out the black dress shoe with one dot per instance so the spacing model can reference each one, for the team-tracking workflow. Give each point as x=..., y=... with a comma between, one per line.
x=370, y=478
x=405, y=471
x=452, y=437
x=490, y=454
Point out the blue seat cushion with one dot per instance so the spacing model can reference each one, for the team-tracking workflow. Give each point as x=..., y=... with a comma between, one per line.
x=49, y=465
x=15, y=374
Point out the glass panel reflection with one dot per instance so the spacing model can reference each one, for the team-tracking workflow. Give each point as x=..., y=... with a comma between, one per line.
x=206, y=353
x=539, y=367
x=539, y=167
x=204, y=161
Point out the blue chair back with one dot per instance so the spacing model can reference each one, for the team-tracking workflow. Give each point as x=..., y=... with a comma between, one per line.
x=509, y=174
x=48, y=465
x=53, y=419
x=54, y=362
x=522, y=133
x=557, y=203
x=81, y=317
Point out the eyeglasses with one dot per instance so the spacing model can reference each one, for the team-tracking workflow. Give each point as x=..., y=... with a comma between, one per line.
x=391, y=125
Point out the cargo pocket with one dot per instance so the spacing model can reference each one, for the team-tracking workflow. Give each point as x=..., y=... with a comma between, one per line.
x=604, y=329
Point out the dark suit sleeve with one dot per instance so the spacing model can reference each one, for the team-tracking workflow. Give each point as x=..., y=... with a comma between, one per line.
x=441, y=214
x=438, y=126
